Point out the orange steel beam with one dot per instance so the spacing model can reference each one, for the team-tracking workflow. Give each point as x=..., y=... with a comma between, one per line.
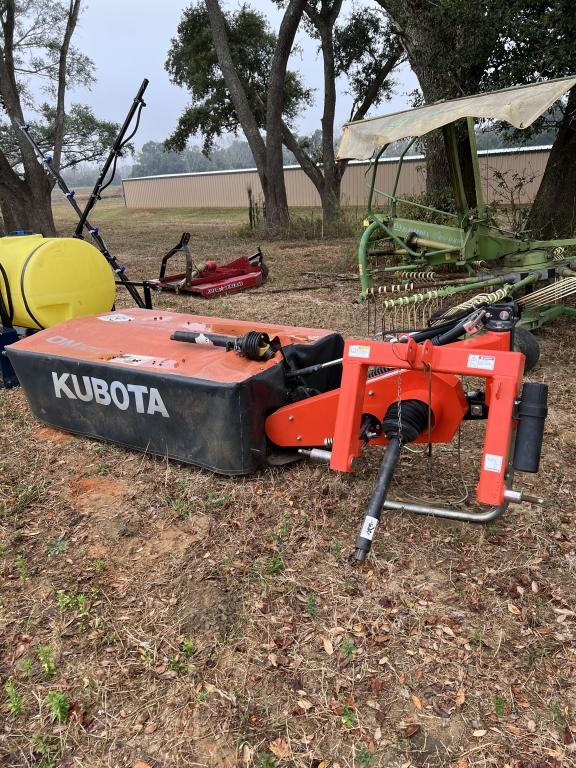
x=422, y=372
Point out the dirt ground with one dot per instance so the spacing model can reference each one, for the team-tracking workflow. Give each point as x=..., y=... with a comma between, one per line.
x=155, y=615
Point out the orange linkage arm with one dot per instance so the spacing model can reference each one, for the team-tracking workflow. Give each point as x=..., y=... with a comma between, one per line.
x=503, y=373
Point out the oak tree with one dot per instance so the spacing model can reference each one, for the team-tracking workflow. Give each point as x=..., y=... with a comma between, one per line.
x=38, y=63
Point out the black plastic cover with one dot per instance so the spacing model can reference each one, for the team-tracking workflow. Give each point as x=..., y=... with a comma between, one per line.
x=217, y=426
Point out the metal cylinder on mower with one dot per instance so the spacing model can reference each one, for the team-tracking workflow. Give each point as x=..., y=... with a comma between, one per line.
x=46, y=280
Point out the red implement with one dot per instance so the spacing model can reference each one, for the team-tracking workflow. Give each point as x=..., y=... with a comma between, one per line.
x=207, y=279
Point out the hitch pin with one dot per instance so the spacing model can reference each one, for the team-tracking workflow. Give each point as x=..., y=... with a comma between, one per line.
x=316, y=454
x=517, y=497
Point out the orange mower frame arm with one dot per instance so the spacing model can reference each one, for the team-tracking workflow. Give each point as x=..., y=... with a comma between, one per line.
x=422, y=372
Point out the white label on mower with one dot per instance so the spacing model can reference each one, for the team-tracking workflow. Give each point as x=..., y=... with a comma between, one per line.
x=123, y=396
x=482, y=362
x=369, y=528
x=116, y=317
x=136, y=360
x=493, y=463
x=359, y=350
x=201, y=339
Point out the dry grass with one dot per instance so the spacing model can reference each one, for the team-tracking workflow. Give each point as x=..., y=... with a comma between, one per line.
x=194, y=620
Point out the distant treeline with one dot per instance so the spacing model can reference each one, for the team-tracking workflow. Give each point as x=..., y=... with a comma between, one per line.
x=153, y=159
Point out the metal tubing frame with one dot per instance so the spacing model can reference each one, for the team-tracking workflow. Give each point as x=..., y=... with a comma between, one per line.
x=480, y=204
x=449, y=514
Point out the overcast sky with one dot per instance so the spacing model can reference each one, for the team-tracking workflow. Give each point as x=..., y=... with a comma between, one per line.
x=129, y=39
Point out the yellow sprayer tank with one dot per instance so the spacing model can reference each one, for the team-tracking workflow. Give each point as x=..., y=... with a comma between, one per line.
x=52, y=279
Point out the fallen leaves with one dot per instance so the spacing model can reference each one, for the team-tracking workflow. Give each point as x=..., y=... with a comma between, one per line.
x=417, y=702
x=328, y=645
x=280, y=748
x=460, y=696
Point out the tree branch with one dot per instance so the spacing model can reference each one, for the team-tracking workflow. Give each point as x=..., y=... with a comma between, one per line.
x=373, y=89
x=304, y=160
x=73, y=11
x=235, y=86
x=275, y=96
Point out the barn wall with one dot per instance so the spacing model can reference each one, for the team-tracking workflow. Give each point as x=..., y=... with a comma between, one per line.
x=229, y=189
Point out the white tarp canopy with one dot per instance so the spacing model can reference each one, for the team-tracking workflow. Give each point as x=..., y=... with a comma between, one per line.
x=519, y=106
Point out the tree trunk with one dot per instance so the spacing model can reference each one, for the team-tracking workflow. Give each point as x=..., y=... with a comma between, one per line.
x=277, y=215
x=18, y=214
x=26, y=203
x=268, y=156
x=437, y=170
x=331, y=211
x=237, y=92
x=59, y=123
x=330, y=194
x=553, y=213
x=448, y=45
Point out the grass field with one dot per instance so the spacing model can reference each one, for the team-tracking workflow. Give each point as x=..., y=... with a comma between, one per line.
x=156, y=615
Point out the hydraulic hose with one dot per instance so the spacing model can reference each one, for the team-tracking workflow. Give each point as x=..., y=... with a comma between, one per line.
x=402, y=424
x=374, y=510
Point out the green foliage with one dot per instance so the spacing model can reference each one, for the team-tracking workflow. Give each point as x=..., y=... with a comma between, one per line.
x=86, y=138
x=46, y=659
x=26, y=667
x=57, y=547
x=58, y=705
x=536, y=42
x=499, y=706
x=364, y=758
x=154, y=158
x=21, y=567
x=349, y=717
x=15, y=700
x=281, y=533
x=72, y=601
x=26, y=493
x=449, y=42
x=311, y=605
x=348, y=648
x=178, y=665
x=265, y=760
x=477, y=637
x=362, y=44
x=40, y=28
x=336, y=548
x=188, y=648
x=440, y=199
x=275, y=564
x=192, y=63
x=45, y=751
x=557, y=714
x=39, y=32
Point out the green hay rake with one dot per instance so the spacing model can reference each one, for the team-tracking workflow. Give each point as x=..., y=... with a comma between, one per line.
x=413, y=268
